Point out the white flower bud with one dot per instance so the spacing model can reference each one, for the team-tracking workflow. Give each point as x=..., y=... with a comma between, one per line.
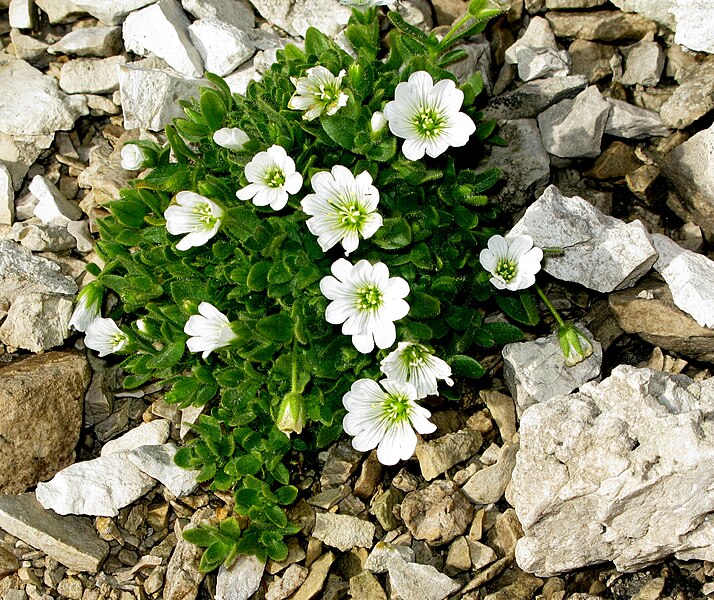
x=378, y=121
x=132, y=157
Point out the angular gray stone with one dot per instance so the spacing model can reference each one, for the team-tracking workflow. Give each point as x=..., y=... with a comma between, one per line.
x=162, y=29
x=632, y=122
x=695, y=23
x=241, y=581
x=657, y=10
x=692, y=99
x=644, y=63
x=89, y=41
x=109, y=13
x=30, y=49
x=536, y=371
x=477, y=60
x=238, y=13
x=537, y=63
x=412, y=581
x=98, y=487
x=19, y=152
x=591, y=59
x=621, y=471
x=37, y=322
x=72, y=541
x=538, y=34
x=148, y=96
x=604, y=26
x=383, y=553
x=183, y=575
x=158, y=462
x=59, y=11
x=600, y=252
x=488, y=485
x=152, y=433
x=690, y=277
x=690, y=169
x=91, y=75
x=439, y=455
x=574, y=128
x=329, y=16
x=569, y=4
x=532, y=98
x=42, y=238
x=222, y=47
x=22, y=14
x=7, y=197
x=282, y=587
x=52, y=207
x=343, y=531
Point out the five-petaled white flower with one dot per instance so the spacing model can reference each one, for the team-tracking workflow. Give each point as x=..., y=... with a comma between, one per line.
x=319, y=91
x=342, y=208
x=272, y=178
x=232, y=138
x=104, y=336
x=513, y=261
x=367, y=301
x=383, y=417
x=194, y=215
x=209, y=330
x=88, y=307
x=132, y=157
x=427, y=116
x=364, y=4
x=413, y=363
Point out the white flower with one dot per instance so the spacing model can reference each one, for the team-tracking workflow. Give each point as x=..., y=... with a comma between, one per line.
x=232, y=138
x=209, y=330
x=367, y=301
x=513, y=261
x=414, y=364
x=272, y=178
x=88, y=307
x=384, y=418
x=364, y=4
x=319, y=91
x=104, y=336
x=195, y=215
x=132, y=157
x=342, y=208
x=427, y=116
x=378, y=121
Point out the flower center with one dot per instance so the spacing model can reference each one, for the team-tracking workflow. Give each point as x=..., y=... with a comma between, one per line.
x=414, y=356
x=274, y=177
x=396, y=408
x=351, y=214
x=506, y=269
x=428, y=122
x=204, y=214
x=327, y=94
x=118, y=339
x=369, y=297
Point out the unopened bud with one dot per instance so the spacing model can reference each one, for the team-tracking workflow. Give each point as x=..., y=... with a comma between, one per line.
x=378, y=121
x=291, y=415
x=574, y=343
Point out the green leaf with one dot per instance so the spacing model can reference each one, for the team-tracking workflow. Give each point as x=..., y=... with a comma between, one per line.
x=423, y=306
x=245, y=498
x=277, y=550
x=521, y=307
x=230, y=527
x=316, y=42
x=394, y=233
x=281, y=473
x=212, y=108
x=129, y=212
x=278, y=327
x=199, y=536
x=247, y=464
x=465, y=366
x=276, y=515
x=341, y=130
x=258, y=276
x=286, y=494
x=492, y=334
x=214, y=556
x=183, y=458
x=168, y=357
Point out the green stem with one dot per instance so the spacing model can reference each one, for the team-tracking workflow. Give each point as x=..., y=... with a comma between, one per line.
x=550, y=306
x=294, y=382
x=454, y=29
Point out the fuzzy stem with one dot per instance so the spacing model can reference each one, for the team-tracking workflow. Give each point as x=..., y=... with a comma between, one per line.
x=550, y=306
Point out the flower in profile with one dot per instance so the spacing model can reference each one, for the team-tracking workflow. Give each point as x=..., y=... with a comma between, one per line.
x=366, y=301
x=232, y=138
x=194, y=215
x=415, y=364
x=378, y=121
x=365, y=4
x=88, y=307
x=104, y=336
x=291, y=415
x=384, y=416
x=342, y=208
x=428, y=116
x=319, y=91
x=209, y=330
x=574, y=343
x=132, y=157
x=513, y=261
x=272, y=178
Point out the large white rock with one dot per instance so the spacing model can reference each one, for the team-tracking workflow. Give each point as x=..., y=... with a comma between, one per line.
x=36, y=322
x=537, y=35
x=222, y=47
x=657, y=10
x=7, y=197
x=152, y=433
x=644, y=63
x=158, y=462
x=234, y=12
x=329, y=16
x=31, y=104
x=343, y=531
x=148, y=96
x=89, y=41
x=690, y=277
x=695, y=24
x=600, y=252
x=98, y=487
x=91, y=75
x=162, y=29
x=52, y=208
x=109, y=12
x=19, y=152
x=632, y=122
x=412, y=581
x=241, y=581
x=535, y=371
x=536, y=63
x=22, y=14
x=622, y=471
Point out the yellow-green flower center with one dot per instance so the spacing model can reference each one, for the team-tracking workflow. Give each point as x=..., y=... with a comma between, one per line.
x=274, y=177
x=428, y=122
x=396, y=408
x=506, y=269
x=350, y=212
x=204, y=214
x=414, y=356
x=369, y=297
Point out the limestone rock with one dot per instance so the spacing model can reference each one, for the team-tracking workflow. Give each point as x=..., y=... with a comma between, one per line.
x=574, y=128
x=597, y=468
x=439, y=455
x=477, y=60
x=633, y=122
x=37, y=322
x=238, y=13
x=329, y=16
x=19, y=152
x=39, y=237
x=535, y=371
x=59, y=11
x=538, y=34
x=570, y=4
x=162, y=29
x=89, y=41
x=600, y=252
x=158, y=462
x=502, y=411
x=7, y=197
x=148, y=96
x=72, y=541
x=30, y=49
x=692, y=99
x=488, y=485
x=644, y=63
x=241, y=581
x=182, y=575
x=412, y=581
x=98, y=487
x=438, y=513
x=695, y=24
x=282, y=587
x=41, y=403
x=365, y=586
x=22, y=14
x=536, y=63
x=532, y=98
x=91, y=75
x=109, y=13
x=52, y=208
x=657, y=10
x=690, y=169
x=591, y=59
x=222, y=47
x=152, y=433
x=383, y=553
x=316, y=578
x=343, y=531
x=603, y=26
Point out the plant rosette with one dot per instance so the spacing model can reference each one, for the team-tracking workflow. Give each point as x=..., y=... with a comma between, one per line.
x=228, y=257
